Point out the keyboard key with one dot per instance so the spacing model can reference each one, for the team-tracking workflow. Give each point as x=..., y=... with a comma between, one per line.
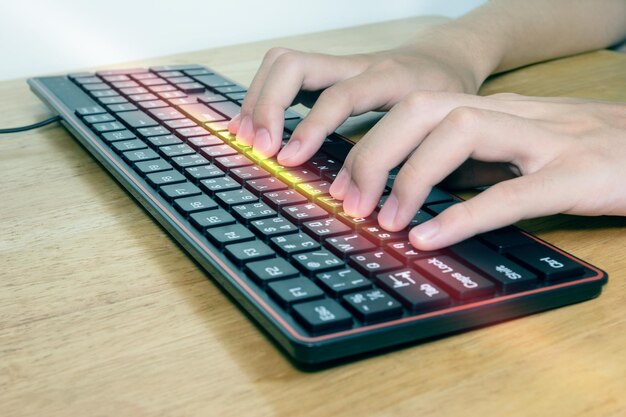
x=152, y=104
x=323, y=228
x=119, y=135
x=166, y=113
x=311, y=263
x=191, y=88
x=346, y=245
x=330, y=204
x=201, y=113
x=322, y=315
x=171, y=151
x=158, y=165
x=247, y=213
x=166, y=140
x=502, y=240
x=189, y=132
x=437, y=196
x=107, y=127
x=179, y=190
x=297, y=176
x=413, y=289
x=262, y=185
x=271, y=270
x=207, y=140
x=140, y=155
x=163, y=178
x=551, y=265
x=278, y=199
x=461, y=282
x=509, y=276
x=304, y=212
x=342, y=281
x=271, y=227
x=248, y=173
x=213, y=81
x=190, y=205
x=129, y=145
x=185, y=161
x=372, y=305
x=357, y=222
x=203, y=172
x=180, y=123
x=293, y=243
x=212, y=152
x=137, y=119
x=234, y=161
x=381, y=236
x=212, y=218
x=292, y=290
x=123, y=107
x=405, y=252
x=231, y=198
x=214, y=185
x=230, y=89
x=253, y=250
x=233, y=233
x=98, y=118
x=145, y=132
x=314, y=189
x=86, y=111
x=374, y=262
x=227, y=108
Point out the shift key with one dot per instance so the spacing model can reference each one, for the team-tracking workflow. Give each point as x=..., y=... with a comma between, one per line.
x=461, y=282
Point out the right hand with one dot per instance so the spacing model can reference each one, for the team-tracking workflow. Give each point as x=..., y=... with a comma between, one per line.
x=351, y=85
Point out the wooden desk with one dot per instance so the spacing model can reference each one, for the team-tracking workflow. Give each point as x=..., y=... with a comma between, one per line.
x=102, y=314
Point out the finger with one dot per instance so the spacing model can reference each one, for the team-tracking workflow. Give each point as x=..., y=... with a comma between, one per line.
x=464, y=133
x=503, y=204
x=367, y=91
x=290, y=73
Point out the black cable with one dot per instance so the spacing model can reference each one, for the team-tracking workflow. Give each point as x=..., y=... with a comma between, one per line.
x=33, y=126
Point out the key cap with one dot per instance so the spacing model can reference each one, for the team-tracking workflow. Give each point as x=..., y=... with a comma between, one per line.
x=198, y=173
x=201, y=141
x=136, y=119
x=152, y=104
x=505, y=239
x=231, y=198
x=293, y=243
x=201, y=113
x=189, y=132
x=461, y=282
x=86, y=111
x=372, y=305
x=166, y=177
x=158, y=165
x=230, y=89
x=322, y=315
x=311, y=263
x=549, y=264
x=509, y=276
x=193, y=204
x=314, y=189
x=123, y=107
x=346, y=245
x=214, y=185
x=413, y=290
x=213, y=81
x=166, y=113
x=107, y=127
x=380, y=236
x=437, y=196
x=323, y=164
x=179, y=190
x=191, y=88
x=212, y=152
x=178, y=79
x=271, y=227
x=440, y=207
x=342, y=281
x=406, y=253
x=112, y=100
x=208, y=98
x=297, y=176
x=233, y=233
x=234, y=161
x=253, y=250
x=271, y=270
x=212, y=218
x=129, y=145
x=200, y=71
x=172, y=151
x=262, y=185
x=247, y=213
x=180, y=124
x=227, y=108
x=145, y=132
x=185, y=161
x=278, y=199
x=103, y=93
x=292, y=290
x=129, y=91
x=98, y=118
x=248, y=173
x=323, y=228
x=357, y=222
x=301, y=213
x=140, y=155
x=374, y=262
x=330, y=204
x=119, y=135
x=166, y=140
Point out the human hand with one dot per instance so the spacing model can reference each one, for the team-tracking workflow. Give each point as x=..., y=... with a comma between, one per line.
x=351, y=85
x=570, y=154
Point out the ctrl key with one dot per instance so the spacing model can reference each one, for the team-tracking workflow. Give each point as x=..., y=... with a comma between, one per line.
x=322, y=315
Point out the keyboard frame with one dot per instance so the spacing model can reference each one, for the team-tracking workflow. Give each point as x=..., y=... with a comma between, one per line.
x=58, y=94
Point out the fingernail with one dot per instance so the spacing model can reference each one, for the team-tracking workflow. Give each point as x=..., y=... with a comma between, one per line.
x=338, y=187
x=388, y=212
x=289, y=151
x=234, y=123
x=245, y=134
x=352, y=200
x=426, y=231
x=262, y=141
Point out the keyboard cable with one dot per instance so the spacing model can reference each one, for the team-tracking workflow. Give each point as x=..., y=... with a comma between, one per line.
x=46, y=122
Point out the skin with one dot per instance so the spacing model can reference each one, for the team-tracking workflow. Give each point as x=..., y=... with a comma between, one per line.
x=552, y=155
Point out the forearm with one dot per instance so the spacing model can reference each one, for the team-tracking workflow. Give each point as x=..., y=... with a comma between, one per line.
x=506, y=34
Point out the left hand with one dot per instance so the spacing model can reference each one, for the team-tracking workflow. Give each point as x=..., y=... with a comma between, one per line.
x=570, y=155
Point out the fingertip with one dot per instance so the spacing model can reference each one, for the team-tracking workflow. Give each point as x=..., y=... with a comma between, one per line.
x=290, y=154
x=245, y=134
x=428, y=235
x=233, y=125
x=339, y=186
x=263, y=143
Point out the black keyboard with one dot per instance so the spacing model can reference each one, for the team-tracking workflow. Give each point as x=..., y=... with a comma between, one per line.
x=323, y=284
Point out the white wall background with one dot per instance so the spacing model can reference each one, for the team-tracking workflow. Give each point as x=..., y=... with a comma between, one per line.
x=52, y=36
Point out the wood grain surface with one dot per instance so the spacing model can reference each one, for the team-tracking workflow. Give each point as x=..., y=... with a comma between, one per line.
x=102, y=314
